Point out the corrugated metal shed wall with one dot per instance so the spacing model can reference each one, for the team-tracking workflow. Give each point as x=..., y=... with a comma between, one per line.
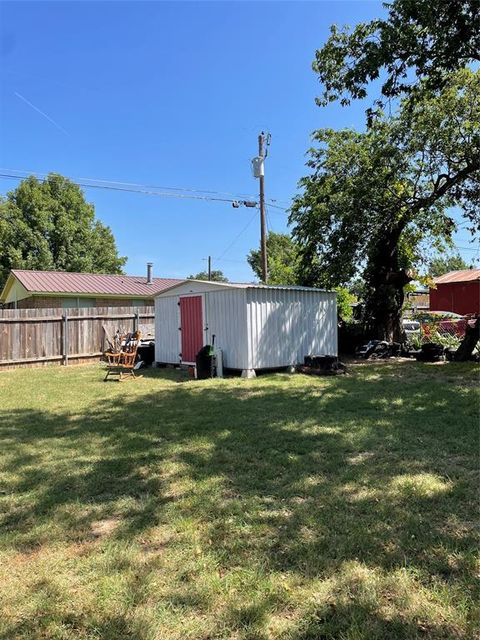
x=225, y=316
x=284, y=325
x=255, y=327
x=226, y=313
x=167, y=321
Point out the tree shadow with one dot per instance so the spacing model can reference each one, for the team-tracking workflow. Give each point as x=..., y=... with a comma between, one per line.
x=375, y=469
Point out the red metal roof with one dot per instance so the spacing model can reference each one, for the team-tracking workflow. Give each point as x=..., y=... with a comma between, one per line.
x=91, y=283
x=458, y=276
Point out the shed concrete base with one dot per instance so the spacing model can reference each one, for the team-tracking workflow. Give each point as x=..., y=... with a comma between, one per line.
x=248, y=373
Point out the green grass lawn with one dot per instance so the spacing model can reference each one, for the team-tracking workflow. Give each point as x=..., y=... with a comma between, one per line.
x=286, y=507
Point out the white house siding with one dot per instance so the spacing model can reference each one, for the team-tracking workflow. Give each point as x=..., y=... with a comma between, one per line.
x=226, y=318
x=285, y=325
x=167, y=321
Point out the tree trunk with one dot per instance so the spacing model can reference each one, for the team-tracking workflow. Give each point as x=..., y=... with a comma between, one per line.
x=385, y=295
x=469, y=342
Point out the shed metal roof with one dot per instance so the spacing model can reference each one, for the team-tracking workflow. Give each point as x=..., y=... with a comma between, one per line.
x=91, y=283
x=242, y=285
x=466, y=275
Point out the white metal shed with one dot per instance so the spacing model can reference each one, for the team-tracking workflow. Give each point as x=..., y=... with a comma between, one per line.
x=255, y=326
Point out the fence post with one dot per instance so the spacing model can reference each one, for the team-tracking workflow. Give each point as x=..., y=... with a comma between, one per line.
x=65, y=339
x=30, y=336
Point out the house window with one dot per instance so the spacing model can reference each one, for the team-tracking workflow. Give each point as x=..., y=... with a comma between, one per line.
x=86, y=302
x=77, y=303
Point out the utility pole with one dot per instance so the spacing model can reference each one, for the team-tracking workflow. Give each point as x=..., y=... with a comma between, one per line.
x=263, y=234
x=209, y=267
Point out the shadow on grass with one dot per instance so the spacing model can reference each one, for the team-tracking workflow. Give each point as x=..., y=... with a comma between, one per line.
x=374, y=468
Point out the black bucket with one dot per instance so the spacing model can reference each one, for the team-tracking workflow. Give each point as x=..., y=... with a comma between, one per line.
x=205, y=362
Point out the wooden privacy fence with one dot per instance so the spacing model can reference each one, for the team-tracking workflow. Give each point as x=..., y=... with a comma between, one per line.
x=40, y=336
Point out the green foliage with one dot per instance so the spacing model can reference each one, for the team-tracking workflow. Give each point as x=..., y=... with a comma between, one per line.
x=438, y=327
x=372, y=198
x=415, y=341
x=440, y=264
x=419, y=43
x=49, y=225
x=282, y=259
x=216, y=276
x=445, y=339
x=345, y=300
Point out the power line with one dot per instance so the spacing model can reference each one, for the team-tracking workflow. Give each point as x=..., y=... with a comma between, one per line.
x=276, y=206
x=467, y=248
x=230, y=260
x=237, y=236
x=269, y=224
x=282, y=211
x=143, y=191
x=132, y=187
x=126, y=184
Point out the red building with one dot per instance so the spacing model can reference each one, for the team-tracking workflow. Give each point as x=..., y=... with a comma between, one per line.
x=457, y=291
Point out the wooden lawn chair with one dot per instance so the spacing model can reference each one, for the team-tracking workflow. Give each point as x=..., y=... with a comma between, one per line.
x=123, y=362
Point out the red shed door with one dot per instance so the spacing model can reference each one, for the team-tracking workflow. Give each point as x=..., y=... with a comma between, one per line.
x=191, y=327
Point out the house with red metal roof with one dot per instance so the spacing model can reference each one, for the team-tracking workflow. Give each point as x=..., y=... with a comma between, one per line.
x=457, y=291
x=27, y=289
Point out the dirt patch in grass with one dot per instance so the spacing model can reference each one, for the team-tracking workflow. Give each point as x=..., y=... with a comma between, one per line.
x=105, y=527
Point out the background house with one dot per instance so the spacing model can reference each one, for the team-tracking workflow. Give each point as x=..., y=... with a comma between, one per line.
x=59, y=289
x=457, y=291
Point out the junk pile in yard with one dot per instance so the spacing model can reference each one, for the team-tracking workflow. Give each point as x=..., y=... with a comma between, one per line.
x=379, y=349
x=322, y=366
x=430, y=342
x=430, y=352
x=146, y=352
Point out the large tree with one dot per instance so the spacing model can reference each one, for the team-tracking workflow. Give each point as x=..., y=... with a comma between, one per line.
x=215, y=276
x=373, y=197
x=444, y=263
x=282, y=259
x=49, y=225
x=419, y=42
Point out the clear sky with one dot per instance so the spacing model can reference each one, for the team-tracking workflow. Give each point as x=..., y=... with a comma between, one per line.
x=171, y=94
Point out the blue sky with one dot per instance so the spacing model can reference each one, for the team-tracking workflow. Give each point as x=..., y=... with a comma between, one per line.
x=171, y=94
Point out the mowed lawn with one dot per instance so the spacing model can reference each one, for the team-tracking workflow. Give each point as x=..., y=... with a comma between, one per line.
x=286, y=507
